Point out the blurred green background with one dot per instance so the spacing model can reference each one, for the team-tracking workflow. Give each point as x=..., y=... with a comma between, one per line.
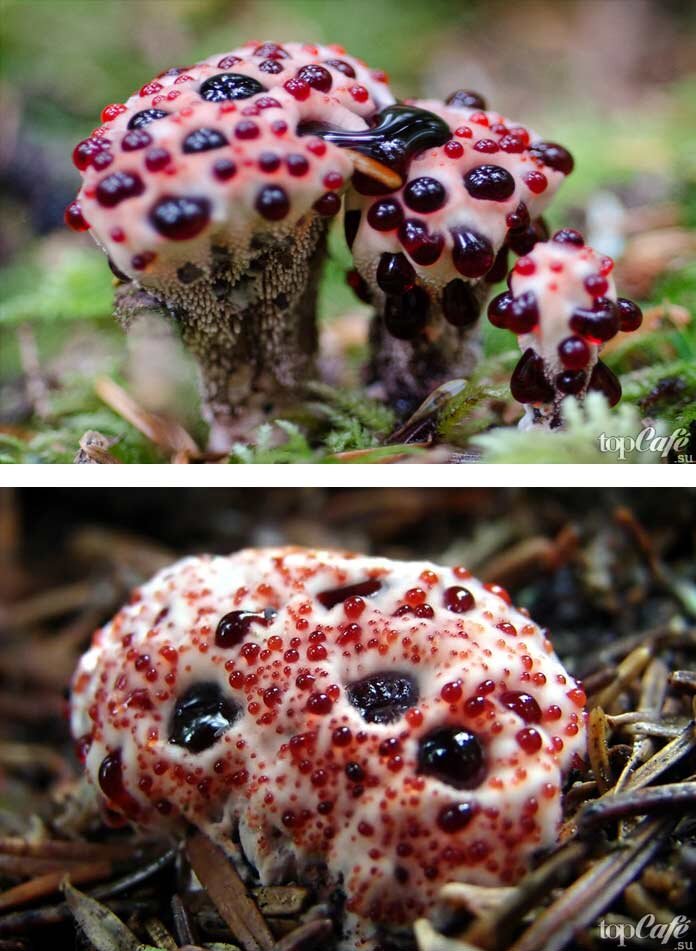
x=613, y=80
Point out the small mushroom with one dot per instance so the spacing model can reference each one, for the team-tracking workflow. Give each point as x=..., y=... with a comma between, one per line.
x=209, y=195
x=370, y=726
x=426, y=252
x=562, y=304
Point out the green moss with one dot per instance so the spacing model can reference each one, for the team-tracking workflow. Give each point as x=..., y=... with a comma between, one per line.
x=76, y=286
x=578, y=442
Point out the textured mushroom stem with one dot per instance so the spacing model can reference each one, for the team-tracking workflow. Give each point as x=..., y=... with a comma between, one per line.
x=253, y=335
x=409, y=370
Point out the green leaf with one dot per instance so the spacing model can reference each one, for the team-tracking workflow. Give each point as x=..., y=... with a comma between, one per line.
x=75, y=287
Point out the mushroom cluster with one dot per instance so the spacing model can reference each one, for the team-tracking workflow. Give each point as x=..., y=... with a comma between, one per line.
x=375, y=727
x=211, y=189
x=562, y=304
x=428, y=250
x=207, y=191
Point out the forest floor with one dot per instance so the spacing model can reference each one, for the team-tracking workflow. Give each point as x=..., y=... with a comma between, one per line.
x=613, y=581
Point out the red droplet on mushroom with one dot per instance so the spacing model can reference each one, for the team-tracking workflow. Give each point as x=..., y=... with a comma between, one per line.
x=74, y=218
x=272, y=202
x=605, y=381
x=458, y=599
x=575, y=313
x=180, y=218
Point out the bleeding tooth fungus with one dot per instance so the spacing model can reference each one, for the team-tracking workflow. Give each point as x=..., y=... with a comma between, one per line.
x=375, y=728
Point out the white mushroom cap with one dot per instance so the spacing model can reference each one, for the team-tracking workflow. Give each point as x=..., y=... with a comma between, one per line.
x=193, y=159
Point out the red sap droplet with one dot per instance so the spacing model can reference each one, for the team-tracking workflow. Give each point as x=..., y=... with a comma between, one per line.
x=111, y=784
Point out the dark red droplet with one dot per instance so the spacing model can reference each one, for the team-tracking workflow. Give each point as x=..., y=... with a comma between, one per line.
x=203, y=140
x=298, y=90
x=354, y=772
x=201, y=716
x=596, y=285
x=156, y=159
x=224, y=169
x=227, y=61
x=234, y=627
x=117, y=187
x=424, y=194
x=316, y=76
x=85, y=152
x=395, y=273
x=454, y=755
x=145, y=117
x=569, y=236
x=359, y=286
x=574, y=353
x=605, y=381
x=523, y=314
x=524, y=705
x=180, y=218
x=519, y=218
x=529, y=383
x=500, y=268
x=74, y=218
x=297, y=164
x=522, y=240
x=630, y=314
x=472, y=254
x=499, y=308
x=341, y=66
x=512, y=143
x=455, y=817
x=385, y=215
x=140, y=261
x=489, y=183
x=383, y=697
x=319, y=704
x=82, y=746
x=465, y=99
x=272, y=202
x=246, y=129
x=554, y=156
x=328, y=205
x=457, y=599
x=529, y=739
x=334, y=596
x=135, y=139
x=460, y=304
x=422, y=245
x=271, y=51
x=270, y=66
x=597, y=325
x=570, y=382
x=112, y=785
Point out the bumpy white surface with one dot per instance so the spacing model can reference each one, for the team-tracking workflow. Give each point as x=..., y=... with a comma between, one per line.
x=234, y=219
x=279, y=761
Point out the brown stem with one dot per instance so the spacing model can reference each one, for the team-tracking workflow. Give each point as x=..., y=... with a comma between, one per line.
x=253, y=333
